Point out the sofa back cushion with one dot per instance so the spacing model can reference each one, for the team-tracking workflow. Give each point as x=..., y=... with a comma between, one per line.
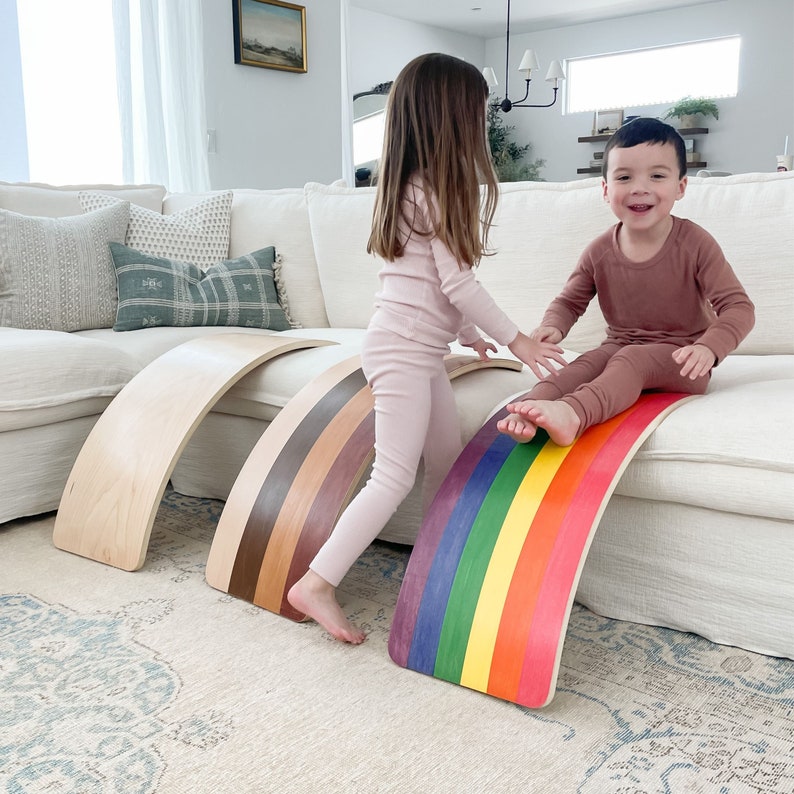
x=55, y=201
x=540, y=230
x=341, y=218
x=752, y=218
x=278, y=218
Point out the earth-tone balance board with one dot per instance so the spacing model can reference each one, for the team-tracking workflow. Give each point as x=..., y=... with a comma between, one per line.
x=489, y=587
x=114, y=489
x=297, y=481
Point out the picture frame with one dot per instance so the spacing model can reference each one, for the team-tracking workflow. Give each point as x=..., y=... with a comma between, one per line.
x=270, y=34
x=605, y=122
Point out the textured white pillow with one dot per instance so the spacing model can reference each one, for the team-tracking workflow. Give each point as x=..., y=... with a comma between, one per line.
x=56, y=273
x=198, y=234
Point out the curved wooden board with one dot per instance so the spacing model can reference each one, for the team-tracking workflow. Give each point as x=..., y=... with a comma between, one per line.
x=490, y=584
x=114, y=489
x=298, y=480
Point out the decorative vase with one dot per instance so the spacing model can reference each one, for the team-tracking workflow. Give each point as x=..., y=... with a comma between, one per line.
x=690, y=121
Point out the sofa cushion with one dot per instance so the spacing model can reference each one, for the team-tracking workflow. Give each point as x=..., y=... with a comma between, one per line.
x=236, y=292
x=341, y=219
x=198, y=234
x=56, y=273
x=55, y=201
x=50, y=376
x=279, y=218
x=539, y=231
x=750, y=215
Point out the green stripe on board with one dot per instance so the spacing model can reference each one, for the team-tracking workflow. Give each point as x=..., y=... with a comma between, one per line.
x=476, y=557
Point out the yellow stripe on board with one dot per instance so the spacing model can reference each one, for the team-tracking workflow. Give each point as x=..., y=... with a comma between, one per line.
x=512, y=536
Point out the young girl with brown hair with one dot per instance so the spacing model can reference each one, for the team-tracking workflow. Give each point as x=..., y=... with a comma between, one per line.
x=430, y=227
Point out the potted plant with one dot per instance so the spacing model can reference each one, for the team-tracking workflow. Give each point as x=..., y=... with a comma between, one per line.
x=689, y=109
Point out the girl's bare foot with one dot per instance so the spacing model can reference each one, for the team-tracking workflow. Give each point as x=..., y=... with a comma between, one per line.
x=317, y=598
x=556, y=417
x=517, y=427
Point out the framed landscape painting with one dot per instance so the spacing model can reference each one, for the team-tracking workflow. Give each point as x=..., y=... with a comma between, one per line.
x=270, y=33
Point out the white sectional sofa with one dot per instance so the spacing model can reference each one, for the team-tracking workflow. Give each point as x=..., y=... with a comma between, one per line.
x=699, y=535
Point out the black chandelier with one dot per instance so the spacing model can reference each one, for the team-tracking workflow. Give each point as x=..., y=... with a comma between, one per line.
x=529, y=63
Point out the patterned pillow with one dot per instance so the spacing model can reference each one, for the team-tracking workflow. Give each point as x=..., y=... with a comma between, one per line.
x=155, y=291
x=197, y=234
x=56, y=273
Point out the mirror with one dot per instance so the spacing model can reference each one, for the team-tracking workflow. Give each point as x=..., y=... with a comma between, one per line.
x=369, y=116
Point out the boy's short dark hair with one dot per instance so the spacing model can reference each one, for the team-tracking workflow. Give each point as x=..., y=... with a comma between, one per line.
x=646, y=130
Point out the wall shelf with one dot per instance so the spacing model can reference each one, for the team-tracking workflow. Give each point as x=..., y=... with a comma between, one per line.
x=596, y=169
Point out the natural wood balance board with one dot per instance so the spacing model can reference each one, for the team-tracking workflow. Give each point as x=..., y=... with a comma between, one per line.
x=118, y=479
x=297, y=481
x=490, y=583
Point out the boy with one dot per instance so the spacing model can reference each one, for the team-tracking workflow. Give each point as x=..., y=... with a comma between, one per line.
x=673, y=306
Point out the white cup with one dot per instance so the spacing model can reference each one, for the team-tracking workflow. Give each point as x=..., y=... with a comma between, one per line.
x=785, y=162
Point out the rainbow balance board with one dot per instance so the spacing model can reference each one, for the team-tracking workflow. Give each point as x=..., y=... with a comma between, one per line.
x=491, y=580
x=296, y=482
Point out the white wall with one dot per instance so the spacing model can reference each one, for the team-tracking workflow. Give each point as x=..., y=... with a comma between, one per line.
x=381, y=45
x=751, y=128
x=275, y=128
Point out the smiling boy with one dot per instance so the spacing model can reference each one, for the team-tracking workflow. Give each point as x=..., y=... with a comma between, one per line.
x=673, y=306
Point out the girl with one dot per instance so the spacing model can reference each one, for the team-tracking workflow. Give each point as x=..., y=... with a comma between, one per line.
x=428, y=228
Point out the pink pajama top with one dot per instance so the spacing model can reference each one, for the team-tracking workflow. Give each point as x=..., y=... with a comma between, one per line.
x=426, y=296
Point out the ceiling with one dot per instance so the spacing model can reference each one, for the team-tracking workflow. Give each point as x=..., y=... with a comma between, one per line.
x=486, y=18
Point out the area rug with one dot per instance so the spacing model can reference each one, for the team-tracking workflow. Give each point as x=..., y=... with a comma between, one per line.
x=154, y=682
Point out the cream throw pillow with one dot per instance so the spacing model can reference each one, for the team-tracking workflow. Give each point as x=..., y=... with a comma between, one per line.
x=198, y=234
x=57, y=273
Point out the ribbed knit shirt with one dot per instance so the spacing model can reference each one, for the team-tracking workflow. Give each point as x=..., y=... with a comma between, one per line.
x=426, y=296
x=686, y=294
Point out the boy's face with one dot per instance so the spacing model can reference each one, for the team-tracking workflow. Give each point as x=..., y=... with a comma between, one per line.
x=642, y=184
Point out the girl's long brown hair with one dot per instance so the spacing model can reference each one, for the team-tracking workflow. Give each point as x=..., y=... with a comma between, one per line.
x=435, y=130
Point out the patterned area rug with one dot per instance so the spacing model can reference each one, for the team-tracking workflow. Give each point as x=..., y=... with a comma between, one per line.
x=154, y=682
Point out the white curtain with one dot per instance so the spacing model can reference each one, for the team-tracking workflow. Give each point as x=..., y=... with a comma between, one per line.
x=160, y=72
x=347, y=96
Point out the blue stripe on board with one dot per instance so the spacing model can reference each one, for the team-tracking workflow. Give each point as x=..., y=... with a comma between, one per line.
x=430, y=618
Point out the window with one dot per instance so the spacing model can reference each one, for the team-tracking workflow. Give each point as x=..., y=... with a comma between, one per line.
x=654, y=76
x=69, y=84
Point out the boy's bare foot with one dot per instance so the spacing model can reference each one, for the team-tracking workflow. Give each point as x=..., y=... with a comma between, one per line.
x=517, y=427
x=556, y=417
x=317, y=598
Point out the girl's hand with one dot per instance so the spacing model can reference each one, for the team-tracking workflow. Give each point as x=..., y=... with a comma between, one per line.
x=697, y=360
x=547, y=333
x=481, y=348
x=536, y=354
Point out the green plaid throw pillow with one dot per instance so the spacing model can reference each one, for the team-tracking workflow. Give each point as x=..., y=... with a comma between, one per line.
x=237, y=292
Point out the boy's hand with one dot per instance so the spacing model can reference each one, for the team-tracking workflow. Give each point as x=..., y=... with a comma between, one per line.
x=697, y=360
x=481, y=348
x=547, y=333
x=536, y=354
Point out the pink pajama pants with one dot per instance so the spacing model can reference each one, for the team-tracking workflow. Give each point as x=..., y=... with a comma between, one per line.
x=415, y=417
x=605, y=381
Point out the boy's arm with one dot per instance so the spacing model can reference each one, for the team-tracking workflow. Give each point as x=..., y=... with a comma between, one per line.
x=571, y=303
x=735, y=312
